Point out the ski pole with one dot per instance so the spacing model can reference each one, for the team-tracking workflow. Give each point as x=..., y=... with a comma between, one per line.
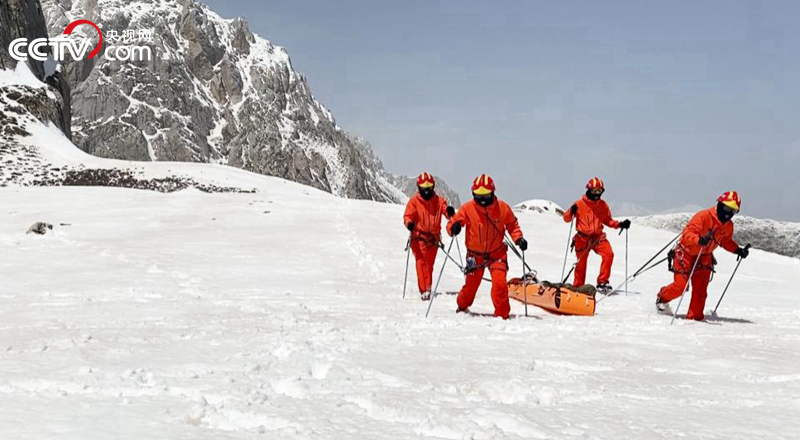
x=633, y=277
x=566, y=251
x=408, y=257
x=510, y=244
x=433, y=296
x=460, y=257
x=738, y=262
x=639, y=272
x=584, y=254
x=524, y=283
x=626, y=260
x=450, y=257
x=644, y=267
x=688, y=282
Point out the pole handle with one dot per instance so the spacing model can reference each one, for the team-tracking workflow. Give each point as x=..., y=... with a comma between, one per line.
x=747, y=248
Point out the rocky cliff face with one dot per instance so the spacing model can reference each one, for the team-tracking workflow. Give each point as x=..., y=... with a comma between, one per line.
x=24, y=19
x=213, y=92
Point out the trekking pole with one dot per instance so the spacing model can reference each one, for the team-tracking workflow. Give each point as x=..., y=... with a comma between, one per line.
x=626, y=262
x=738, y=262
x=524, y=283
x=408, y=257
x=510, y=244
x=633, y=277
x=585, y=253
x=640, y=271
x=433, y=296
x=460, y=257
x=566, y=251
x=644, y=267
x=688, y=282
x=460, y=267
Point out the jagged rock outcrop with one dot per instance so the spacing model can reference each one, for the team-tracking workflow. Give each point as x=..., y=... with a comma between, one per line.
x=24, y=19
x=213, y=92
x=20, y=19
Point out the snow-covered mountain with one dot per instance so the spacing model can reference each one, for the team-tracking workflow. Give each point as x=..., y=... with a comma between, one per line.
x=34, y=150
x=408, y=185
x=769, y=235
x=214, y=92
x=540, y=206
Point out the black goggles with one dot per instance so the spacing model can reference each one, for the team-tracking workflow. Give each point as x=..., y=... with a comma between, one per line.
x=482, y=197
x=597, y=191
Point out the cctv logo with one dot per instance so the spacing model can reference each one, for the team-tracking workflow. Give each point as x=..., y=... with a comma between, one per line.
x=21, y=49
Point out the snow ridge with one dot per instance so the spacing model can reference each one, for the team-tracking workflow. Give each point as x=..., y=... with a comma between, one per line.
x=779, y=237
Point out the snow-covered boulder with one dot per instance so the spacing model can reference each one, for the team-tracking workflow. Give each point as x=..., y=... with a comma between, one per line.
x=540, y=206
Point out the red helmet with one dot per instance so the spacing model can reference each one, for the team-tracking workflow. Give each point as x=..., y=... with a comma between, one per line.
x=425, y=180
x=731, y=199
x=483, y=185
x=595, y=183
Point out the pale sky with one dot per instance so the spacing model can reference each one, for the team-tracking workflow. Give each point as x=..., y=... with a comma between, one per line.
x=671, y=103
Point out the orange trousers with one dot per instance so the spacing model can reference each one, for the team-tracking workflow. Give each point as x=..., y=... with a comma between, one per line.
x=600, y=246
x=425, y=256
x=498, y=268
x=682, y=265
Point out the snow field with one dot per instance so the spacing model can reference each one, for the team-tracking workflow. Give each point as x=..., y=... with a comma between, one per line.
x=279, y=315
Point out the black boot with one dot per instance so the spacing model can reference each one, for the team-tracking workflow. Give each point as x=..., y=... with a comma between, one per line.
x=661, y=306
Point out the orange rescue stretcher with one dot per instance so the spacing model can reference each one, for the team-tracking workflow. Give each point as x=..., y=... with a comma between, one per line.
x=555, y=298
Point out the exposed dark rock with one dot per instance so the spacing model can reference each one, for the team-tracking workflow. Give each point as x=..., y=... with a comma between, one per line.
x=40, y=228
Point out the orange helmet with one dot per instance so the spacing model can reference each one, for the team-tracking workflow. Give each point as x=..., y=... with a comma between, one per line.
x=731, y=199
x=483, y=185
x=595, y=183
x=425, y=180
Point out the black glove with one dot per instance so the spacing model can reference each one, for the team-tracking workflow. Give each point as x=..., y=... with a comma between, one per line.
x=410, y=226
x=704, y=240
x=625, y=224
x=451, y=211
x=742, y=252
x=523, y=244
x=456, y=228
x=573, y=209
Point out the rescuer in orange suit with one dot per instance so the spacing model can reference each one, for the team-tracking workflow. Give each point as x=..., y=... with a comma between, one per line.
x=707, y=230
x=423, y=218
x=590, y=214
x=486, y=220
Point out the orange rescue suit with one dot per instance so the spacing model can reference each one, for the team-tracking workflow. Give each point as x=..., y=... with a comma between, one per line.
x=427, y=217
x=485, y=229
x=689, y=250
x=589, y=221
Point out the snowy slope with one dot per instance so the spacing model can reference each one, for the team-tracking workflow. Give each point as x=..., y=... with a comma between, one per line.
x=279, y=315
